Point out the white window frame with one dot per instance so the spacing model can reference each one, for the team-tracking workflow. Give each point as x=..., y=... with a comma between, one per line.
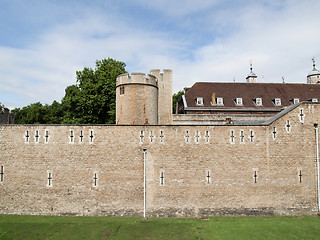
x=277, y=101
x=314, y=100
x=258, y=102
x=199, y=101
x=219, y=101
x=239, y=102
x=296, y=100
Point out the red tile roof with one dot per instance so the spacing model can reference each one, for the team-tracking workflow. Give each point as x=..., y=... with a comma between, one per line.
x=250, y=91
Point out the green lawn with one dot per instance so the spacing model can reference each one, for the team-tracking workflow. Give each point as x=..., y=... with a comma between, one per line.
x=51, y=227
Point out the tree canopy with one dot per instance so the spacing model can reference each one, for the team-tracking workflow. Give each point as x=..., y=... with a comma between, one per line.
x=175, y=99
x=92, y=99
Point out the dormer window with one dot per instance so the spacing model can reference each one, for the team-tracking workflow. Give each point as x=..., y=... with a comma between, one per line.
x=314, y=100
x=277, y=101
x=238, y=101
x=199, y=101
x=220, y=101
x=296, y=100
x=258, y=101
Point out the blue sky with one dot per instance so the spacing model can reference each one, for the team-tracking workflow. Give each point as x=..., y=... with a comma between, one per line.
x=43, y=43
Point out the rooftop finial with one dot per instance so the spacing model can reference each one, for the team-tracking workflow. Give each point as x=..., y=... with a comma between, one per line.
x=314, y=63
x=251, y=77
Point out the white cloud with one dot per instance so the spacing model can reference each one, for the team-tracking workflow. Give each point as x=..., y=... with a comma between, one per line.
x=280, y=38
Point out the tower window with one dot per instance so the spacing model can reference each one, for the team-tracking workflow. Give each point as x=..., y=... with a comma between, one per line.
x=121, y=90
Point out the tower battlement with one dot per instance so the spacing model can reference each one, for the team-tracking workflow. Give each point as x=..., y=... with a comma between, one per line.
x=136, y=78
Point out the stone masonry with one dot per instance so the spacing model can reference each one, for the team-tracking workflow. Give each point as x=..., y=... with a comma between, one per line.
x=192, y=170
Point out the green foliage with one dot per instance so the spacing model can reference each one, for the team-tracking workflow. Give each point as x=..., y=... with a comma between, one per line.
x=53, y=227
x=91, y=100
x=175, y=99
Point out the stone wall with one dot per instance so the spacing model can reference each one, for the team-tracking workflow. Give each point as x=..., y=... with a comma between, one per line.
x=191, y=170
x=217, y=119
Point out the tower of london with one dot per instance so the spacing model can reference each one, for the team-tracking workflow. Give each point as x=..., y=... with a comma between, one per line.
x=246, y=148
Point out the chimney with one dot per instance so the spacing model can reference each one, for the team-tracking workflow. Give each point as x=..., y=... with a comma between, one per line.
x=213, y=98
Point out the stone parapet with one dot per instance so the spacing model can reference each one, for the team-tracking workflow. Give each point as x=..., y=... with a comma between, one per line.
x=136, y=78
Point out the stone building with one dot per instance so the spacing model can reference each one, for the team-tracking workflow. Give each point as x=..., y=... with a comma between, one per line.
x=149, y=164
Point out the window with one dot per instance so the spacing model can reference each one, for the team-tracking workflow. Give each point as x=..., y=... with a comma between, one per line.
x=232, y=136
x=296, y=100
x=1, y=174
x=161, y=136
x=255, y=175
x=199, y=101
x=49, y=178
x=220, y=101
x=238, y=101
x=187, y=136
x=71, y=137
x=91, y=137
x=151, y=136
x=95, y=180
x=301, y=115
x=288, y=126
x=161, y=177
x=314, y=100
x=36, y=136
x=300, y=175
x=27, y=137
x=46, y=136
x=141, y=136
x=277, y=101
x=208, y=177
x=197, y=136
x=121, y=90
x=251, y=136
x=258, y=101
x=81, y=136
x=207, y=136
x=241, y=136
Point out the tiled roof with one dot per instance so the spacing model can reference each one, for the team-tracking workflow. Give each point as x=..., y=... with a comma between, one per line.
x=248, y=92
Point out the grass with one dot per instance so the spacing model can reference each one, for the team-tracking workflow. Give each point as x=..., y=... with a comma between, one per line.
x=53, y=227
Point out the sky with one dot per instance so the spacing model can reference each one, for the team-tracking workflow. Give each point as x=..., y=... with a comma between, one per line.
x=44, y=42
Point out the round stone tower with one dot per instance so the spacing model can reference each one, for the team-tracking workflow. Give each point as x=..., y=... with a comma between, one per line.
x=314, y=75
x=136, y=99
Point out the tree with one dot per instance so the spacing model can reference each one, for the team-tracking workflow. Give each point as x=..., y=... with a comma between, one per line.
x=92, y=99
x=175, y=99
x=31, y=114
